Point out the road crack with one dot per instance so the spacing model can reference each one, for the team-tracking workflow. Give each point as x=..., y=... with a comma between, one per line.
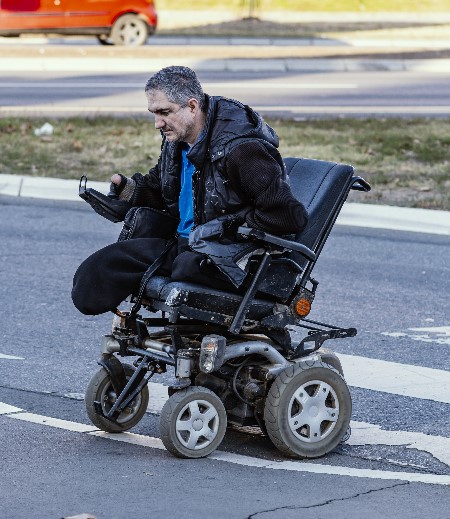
x=329, y=501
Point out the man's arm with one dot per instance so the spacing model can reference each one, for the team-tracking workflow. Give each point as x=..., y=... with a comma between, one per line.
x=253, y=170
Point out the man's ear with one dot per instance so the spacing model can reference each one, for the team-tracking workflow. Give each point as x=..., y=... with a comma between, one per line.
x=193, y=104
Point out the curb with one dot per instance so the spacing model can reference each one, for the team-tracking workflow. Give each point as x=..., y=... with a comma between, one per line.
x=52, y=43
x=353, y=214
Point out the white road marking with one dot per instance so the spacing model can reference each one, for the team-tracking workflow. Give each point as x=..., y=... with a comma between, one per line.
x=362, y=433
x=10, y=357
x=240, y=86
x=54, y=422
x=371, y=373
x=295, y=466
x=7, y=409
x=397, y=379
x=436, y=334
x=298, y=466
x=322, y=109
x=366, y=109
x=259, y=85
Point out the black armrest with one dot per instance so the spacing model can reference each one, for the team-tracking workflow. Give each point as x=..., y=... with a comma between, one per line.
x=111, y=209
x=276, y=240
x=359, y=184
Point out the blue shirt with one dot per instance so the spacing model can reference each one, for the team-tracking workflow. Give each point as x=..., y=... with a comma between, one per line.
x=185, y=202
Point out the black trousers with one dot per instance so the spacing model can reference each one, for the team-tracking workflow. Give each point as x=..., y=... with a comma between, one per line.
x=110, y=275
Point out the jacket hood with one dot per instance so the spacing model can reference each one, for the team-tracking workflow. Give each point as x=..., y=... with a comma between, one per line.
x=234, y=119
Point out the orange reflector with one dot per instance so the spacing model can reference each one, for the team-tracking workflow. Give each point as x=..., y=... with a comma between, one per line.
x=303, y=307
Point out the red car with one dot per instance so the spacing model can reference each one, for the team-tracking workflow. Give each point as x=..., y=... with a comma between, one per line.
x=118, y=22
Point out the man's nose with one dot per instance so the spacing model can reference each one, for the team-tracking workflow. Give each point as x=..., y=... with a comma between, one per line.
x=159, y=122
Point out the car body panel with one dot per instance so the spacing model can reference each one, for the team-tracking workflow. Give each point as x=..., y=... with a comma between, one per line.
x=31, y=14
x=70, y=16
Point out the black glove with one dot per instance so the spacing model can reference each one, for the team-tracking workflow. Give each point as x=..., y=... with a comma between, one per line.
x=116, y=189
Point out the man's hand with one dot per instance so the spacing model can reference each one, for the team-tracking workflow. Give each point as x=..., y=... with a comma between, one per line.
x=116, y=179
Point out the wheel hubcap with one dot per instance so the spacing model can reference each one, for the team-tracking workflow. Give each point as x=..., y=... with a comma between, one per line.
x=313, y=411
x=197, y=424
x=130, y=33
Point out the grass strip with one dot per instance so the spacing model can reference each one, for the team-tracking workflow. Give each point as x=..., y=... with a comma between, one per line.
x=407, y=161
x=313, y=5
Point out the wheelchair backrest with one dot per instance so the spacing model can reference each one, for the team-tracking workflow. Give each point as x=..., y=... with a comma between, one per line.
x=322, y=187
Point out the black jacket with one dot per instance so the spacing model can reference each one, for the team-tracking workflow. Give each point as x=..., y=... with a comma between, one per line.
x=239, y=179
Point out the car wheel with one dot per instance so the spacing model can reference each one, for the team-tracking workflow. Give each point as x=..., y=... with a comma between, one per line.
x=129, y=30
x=307, y=411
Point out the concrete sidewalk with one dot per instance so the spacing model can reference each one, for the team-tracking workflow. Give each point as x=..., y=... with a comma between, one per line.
x=141, y=65
x=352, y=214
x=231, y=54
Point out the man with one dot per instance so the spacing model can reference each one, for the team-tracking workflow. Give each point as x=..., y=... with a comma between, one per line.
x=219, y=168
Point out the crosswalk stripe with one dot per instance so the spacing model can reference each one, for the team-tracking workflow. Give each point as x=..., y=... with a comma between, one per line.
x=395, y=378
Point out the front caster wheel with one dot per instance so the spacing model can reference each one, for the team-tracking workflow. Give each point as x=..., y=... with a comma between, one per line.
x=307, y=411
x=100, y=389
x=193, y=422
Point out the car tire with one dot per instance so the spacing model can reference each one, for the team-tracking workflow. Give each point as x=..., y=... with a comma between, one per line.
x=129, y=30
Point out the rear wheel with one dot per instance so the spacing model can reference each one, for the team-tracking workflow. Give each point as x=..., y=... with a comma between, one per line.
x=129, y=30
x=100, y=389
x=307, y=411
x=193, y=422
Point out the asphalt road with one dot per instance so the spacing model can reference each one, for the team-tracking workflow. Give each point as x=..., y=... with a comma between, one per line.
x=392, y=286
x=298, y=95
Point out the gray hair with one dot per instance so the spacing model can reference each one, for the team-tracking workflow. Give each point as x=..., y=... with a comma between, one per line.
x=179, y=84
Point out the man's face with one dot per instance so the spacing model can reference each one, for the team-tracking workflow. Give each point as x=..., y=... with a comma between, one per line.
x=176, y=122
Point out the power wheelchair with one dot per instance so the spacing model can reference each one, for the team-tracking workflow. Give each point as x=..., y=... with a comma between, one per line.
x=237, y=357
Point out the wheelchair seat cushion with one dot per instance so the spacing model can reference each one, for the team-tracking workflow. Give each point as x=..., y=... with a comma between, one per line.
x=178, y=293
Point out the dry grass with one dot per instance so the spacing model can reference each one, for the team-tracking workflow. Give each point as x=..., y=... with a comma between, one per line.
x=314, y=5
x=406, y=160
